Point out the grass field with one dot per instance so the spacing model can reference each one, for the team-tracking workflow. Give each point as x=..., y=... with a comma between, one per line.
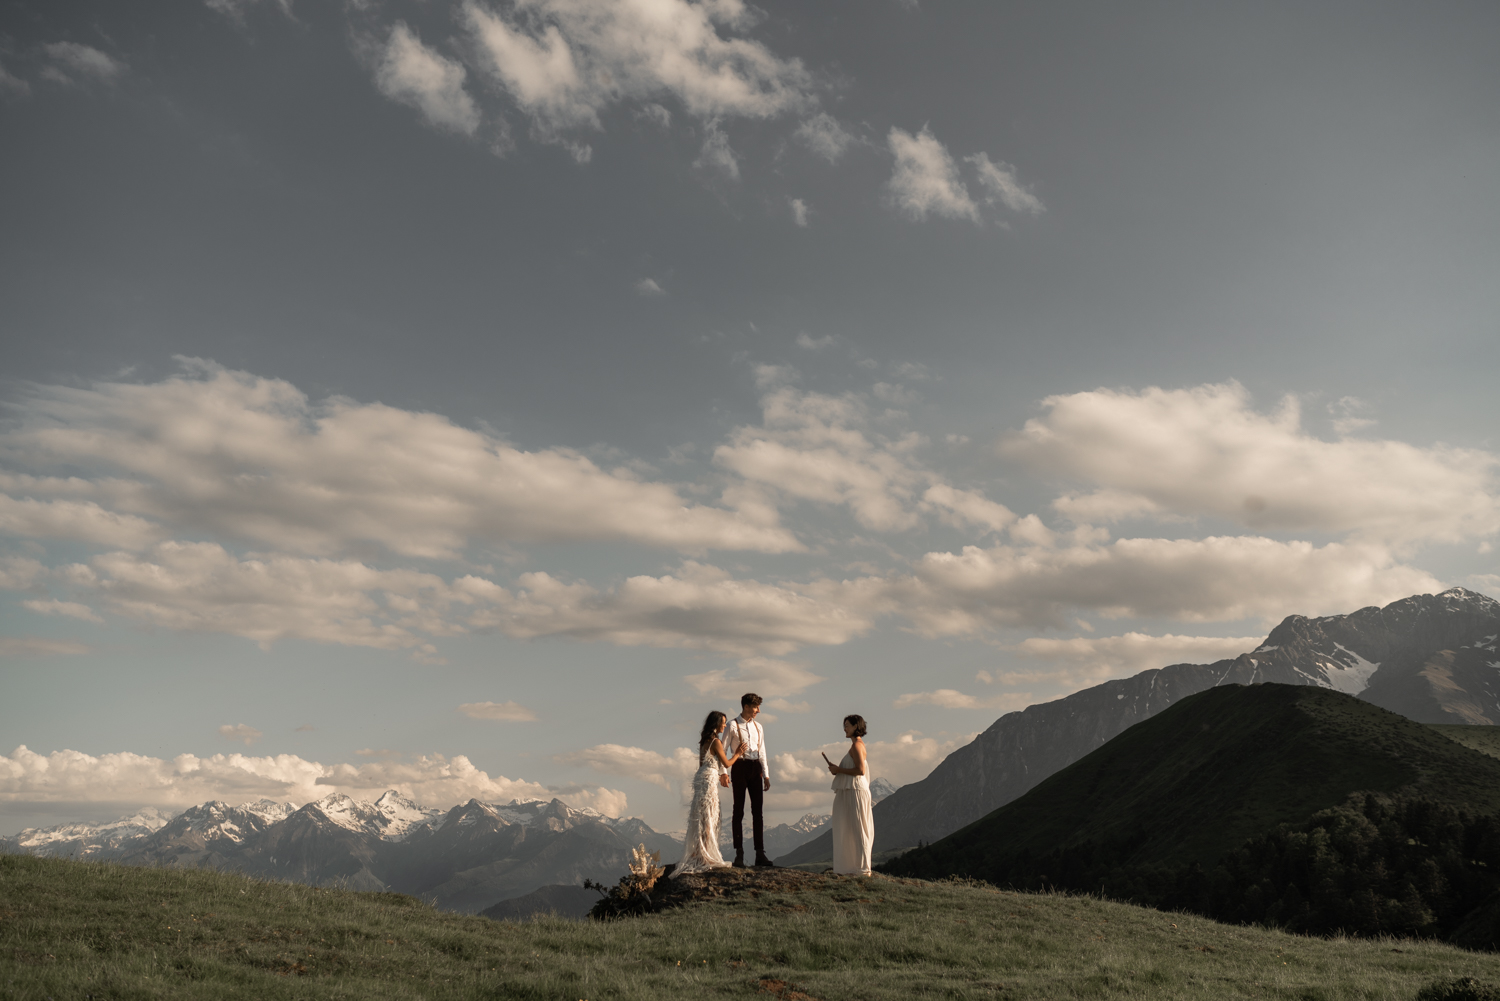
x=91, y=931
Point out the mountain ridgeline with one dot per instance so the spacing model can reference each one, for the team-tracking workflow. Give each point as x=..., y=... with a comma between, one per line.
x=1297, y=806
x=1428, y=657
x=464, y=859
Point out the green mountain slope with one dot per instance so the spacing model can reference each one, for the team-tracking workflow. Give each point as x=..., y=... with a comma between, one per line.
x=1218, y=768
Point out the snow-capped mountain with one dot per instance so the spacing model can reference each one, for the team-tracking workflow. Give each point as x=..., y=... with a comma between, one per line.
x=466, y=858
x=1430, y=657
x=92, y=841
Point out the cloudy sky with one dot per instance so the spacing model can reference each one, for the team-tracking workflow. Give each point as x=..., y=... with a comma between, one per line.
x=467, y=395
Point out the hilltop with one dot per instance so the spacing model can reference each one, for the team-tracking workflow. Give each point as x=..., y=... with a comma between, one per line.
x=79, y=929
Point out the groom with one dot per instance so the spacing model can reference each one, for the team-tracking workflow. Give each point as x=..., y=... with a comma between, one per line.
x=752, y=774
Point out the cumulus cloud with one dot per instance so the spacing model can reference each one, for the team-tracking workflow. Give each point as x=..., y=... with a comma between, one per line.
x=1219, y=578
x=668, y=771
x=433, y=780
x=240, y=732
x=83, y=61
x=415, y=75
x=253, y=459
x=1000, y=185
x=701, y=607
x=565, y=61
x=925, y=180
x=814, y=447
x=69, y=609
x=1207, y=451
x=78, y=521
x=504, y=711
x=824, y=136
x=235, y=10
x=967, y=507
x=949, y=698
x=763, y=675
x=202, y=587
x=716, y=153
x=39, y=646
x=1088, y=660
x=799, y=216
x=649, y=287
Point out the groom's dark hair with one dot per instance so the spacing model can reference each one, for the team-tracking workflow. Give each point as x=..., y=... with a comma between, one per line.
x=749, y=699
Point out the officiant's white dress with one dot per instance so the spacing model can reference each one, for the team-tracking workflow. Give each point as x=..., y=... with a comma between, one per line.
x=853, y=823
x=700, y=845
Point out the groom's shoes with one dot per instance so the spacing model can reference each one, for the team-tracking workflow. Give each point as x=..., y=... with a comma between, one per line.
x=761, y=862
x=739, y=860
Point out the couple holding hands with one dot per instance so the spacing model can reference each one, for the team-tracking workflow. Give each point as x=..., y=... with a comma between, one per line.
x=733, y=753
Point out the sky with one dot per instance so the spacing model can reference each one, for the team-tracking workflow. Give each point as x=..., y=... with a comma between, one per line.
x=467, y=396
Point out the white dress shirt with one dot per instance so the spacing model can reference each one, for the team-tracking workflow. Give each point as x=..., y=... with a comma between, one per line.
x=753, y=736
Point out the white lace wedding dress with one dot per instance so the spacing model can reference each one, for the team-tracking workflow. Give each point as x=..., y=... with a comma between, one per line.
x=853, y=822
x=700, y=845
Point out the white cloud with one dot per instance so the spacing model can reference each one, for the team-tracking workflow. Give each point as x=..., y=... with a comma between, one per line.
x=38, y=646
x=967, y=507
x=85, y=61
x=17, y=573
x=235, y=9
x=807, y=342
x=799, y=216
x=1088, y=660
x=566, y=61
x=79, y=521
x=240, y=732
x=948, y=698
x=1207, y=451
x=253, y=459
x=504, y=711
x=823, y=134
x=717, y=153
x=925, y=181
x=668, y=771
x=201, y=587
x=813, y=447
x=763, y=675
x=415, y=75
x=434, y=780
x=648, y=287
x=1000, y=184
x=13, y=86
x=1212, y=579
x=701, y=607
x=70, y=609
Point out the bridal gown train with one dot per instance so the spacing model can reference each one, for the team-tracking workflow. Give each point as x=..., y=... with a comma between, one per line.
x=700, y=845
x=853, y=824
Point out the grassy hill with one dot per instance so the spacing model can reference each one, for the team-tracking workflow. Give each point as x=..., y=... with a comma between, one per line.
x=87, y=930
x=1238, y=802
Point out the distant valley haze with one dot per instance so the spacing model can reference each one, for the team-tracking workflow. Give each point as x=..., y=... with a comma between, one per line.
x=458, y=400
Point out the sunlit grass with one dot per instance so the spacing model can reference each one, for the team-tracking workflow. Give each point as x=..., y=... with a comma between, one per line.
x=80, y=930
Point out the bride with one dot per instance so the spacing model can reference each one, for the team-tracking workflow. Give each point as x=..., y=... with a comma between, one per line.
x=700, y=845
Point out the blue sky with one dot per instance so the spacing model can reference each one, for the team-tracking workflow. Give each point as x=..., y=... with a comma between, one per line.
x=467, y=397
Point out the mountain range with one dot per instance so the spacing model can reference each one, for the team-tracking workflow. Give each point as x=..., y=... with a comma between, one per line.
x=1430, y=658
x=464, y=859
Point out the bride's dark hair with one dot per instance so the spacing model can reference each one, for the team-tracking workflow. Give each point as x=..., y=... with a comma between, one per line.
x=710, y=731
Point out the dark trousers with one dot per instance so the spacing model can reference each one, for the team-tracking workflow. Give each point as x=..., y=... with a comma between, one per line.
x=745, y=777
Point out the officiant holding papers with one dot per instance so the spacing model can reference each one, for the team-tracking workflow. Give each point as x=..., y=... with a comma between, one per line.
x=853, y=820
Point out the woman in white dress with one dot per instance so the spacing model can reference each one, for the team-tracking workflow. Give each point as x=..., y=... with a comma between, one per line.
x=700, y=846
x=853, y=824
